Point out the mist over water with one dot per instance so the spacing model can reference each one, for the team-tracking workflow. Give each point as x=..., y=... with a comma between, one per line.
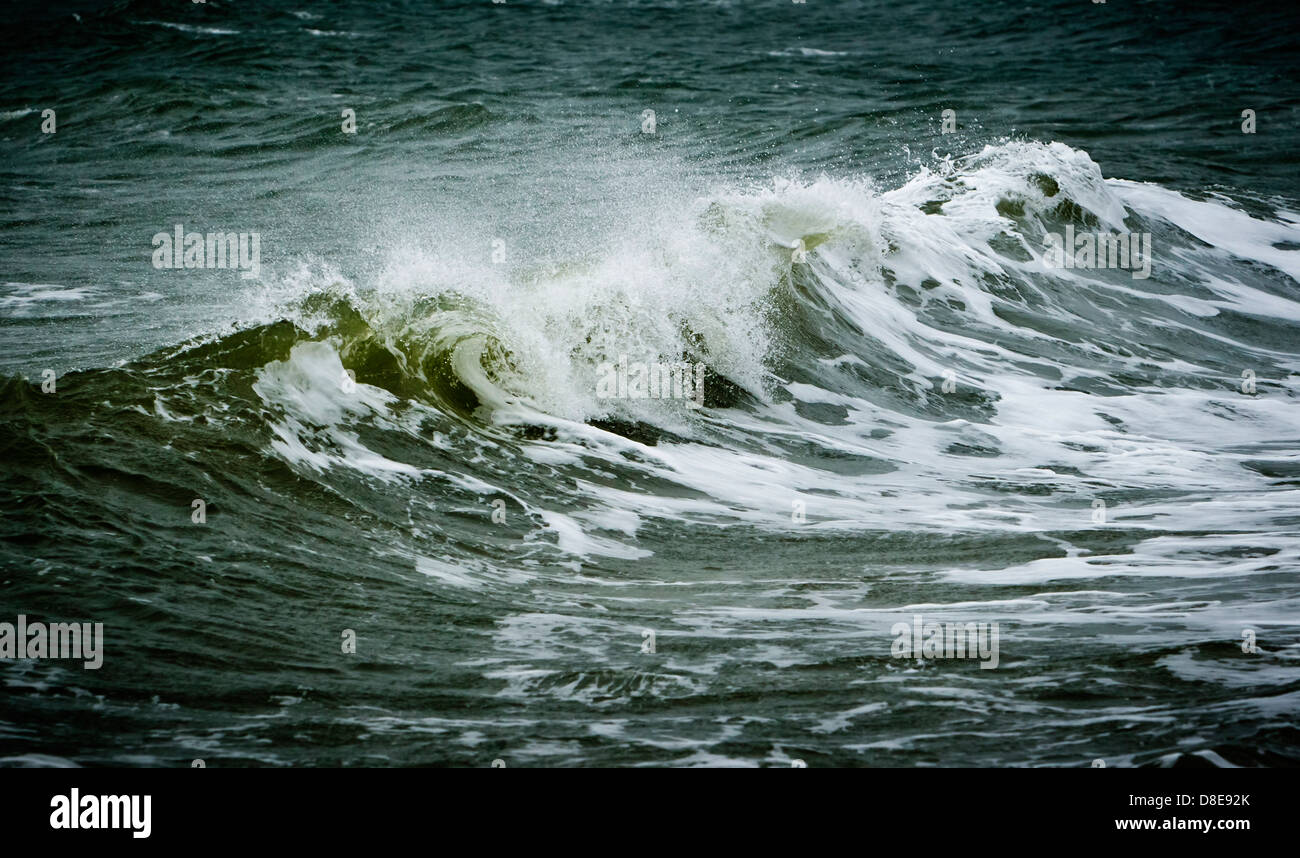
x=396, y=428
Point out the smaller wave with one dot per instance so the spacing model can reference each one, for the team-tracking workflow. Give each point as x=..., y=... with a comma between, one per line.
x=25, y=298
x=190, y=28
x=346, y=33
x=807, y=52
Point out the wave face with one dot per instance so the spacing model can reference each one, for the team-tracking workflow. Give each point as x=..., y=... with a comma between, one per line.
x=405, y=429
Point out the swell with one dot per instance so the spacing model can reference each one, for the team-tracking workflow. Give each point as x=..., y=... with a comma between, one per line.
x=847, y=333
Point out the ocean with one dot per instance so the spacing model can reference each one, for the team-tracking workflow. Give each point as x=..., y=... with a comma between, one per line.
x=650, y=383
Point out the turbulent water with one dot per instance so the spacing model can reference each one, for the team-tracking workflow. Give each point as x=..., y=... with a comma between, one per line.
x=397, y=432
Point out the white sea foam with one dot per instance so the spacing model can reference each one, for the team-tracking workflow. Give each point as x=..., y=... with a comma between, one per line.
x=706, y=273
